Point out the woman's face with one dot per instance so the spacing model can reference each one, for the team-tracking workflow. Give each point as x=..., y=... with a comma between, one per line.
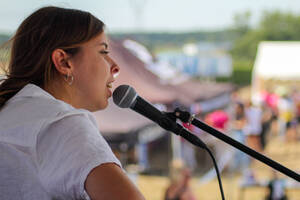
x=93, y=73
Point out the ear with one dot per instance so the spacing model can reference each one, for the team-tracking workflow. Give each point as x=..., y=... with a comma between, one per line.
x=60, y=59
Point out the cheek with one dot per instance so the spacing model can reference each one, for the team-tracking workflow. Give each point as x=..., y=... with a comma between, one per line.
x=103, y=69
x=93, y=74
x=99, y=74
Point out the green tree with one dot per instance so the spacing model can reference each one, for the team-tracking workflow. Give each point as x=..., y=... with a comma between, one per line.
x=242, y=23
x=274, y=26
x=280, y=26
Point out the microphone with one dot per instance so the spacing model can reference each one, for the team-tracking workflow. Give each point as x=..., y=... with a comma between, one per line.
x=125, y=96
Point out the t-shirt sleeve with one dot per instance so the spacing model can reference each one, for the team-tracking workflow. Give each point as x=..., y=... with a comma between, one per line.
x=66, y=151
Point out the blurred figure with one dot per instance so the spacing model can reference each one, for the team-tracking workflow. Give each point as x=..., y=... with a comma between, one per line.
x=238, y=124
x=271, y=100
x=268, y=117
x=253, y=126
x=179, y=188
x=239, y=120
x=217, y=119
x=294, y=130
x=270, y=114
x=188, y=153
x=297, y=106
x=252, y=130
x=291, y=131
x=249, y=178
x=276, y=188
x=285, y=114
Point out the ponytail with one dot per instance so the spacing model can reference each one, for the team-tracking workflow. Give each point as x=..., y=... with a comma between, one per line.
x=8, y=88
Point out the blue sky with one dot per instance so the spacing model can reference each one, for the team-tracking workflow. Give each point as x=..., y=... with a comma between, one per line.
x=156, y=15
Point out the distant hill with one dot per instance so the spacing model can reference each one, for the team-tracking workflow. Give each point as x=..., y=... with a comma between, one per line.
x=4, y=38
x=153, y=41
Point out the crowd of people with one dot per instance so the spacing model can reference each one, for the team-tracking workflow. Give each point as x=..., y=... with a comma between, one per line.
x=276, y=116
x=255, y=123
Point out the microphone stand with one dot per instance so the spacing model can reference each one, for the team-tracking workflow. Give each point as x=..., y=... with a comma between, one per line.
x=168, y=122
x=186, y=117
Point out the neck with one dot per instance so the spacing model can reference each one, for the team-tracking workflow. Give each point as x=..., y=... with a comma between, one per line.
x=61, y=91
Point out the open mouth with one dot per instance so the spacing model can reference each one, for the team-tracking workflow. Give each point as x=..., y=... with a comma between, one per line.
x=109, y=85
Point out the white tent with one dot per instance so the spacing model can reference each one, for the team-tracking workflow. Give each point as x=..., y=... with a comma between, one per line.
x=276, y=61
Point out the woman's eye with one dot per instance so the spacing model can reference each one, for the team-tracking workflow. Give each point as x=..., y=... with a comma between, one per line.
x=104, y=52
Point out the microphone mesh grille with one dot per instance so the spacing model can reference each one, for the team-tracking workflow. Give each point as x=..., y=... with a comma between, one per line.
x=124, y=96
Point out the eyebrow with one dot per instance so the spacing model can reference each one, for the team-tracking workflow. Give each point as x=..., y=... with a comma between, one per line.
x=104, y=44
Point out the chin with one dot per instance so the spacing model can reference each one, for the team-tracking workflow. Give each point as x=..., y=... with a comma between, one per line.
x=103, y=105
x=96, y=108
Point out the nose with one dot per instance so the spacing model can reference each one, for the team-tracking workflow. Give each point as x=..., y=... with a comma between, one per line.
x=114, y=69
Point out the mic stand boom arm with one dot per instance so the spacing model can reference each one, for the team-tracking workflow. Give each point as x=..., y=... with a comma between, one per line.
x=188, y=118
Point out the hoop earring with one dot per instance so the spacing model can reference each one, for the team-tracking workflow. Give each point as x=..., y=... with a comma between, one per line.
x=69, y=79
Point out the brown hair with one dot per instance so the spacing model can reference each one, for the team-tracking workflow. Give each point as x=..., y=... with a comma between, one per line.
x=37, y=37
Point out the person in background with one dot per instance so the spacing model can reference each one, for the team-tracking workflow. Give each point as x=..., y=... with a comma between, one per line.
x=268, y=118
x=253, y=126
x=238, y=124
x=285, y=113
x=179, y=188
x=217, y=119
x=252, y=130
x=276, y=188
x=59, y=72
x=239, y=120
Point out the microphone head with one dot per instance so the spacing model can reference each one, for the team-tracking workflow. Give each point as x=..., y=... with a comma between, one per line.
x=124, y=96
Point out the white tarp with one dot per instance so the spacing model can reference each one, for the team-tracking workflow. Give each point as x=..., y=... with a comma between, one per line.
x=162, y=69
x=278, y=60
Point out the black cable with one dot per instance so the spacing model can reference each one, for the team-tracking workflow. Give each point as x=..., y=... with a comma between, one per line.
x=179, y=130
x=217, y=171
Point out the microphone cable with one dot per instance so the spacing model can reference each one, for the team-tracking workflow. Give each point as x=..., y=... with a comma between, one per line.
x=126, y=97
x=217, y=172
x=187, y=135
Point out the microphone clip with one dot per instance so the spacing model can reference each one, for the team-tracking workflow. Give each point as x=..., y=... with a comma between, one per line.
x=183, y=116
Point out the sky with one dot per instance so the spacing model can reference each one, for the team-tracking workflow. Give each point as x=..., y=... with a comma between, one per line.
x=151, y=15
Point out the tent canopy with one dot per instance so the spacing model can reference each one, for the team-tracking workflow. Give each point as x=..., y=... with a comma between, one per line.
x=278, y=60
x=134, y=72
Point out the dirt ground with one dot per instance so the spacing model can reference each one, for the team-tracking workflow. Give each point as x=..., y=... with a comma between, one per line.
x=288, y=154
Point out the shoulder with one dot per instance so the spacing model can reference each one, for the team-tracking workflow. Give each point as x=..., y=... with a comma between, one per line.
x=72, y=116
x=70, y=139
x=70, y=125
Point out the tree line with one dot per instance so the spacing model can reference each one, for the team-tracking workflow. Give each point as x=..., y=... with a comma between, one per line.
x=244, y=38
x=273, y=26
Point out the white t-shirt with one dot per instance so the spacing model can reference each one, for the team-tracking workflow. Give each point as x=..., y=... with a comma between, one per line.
x=47, y=147
x=253, y=126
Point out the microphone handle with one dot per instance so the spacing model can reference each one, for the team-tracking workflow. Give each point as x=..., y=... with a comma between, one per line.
x=144, y=108
x=163, y=120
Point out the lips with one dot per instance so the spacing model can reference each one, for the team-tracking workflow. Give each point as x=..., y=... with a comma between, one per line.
x=109, y=92
x=109, y=85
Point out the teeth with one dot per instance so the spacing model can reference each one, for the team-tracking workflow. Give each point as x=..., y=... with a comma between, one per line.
x=109, y=85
